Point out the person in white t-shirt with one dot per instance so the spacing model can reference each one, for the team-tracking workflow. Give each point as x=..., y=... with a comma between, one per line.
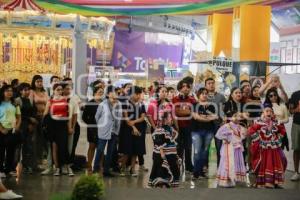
x=74, y=128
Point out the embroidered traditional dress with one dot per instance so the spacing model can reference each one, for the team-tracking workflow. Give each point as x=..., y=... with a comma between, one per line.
x=165, y=172
x=268, y=160
x=232, y=168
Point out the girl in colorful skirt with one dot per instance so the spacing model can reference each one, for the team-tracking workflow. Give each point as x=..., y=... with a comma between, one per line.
x=268, y=160
x=165, y=170
x=232, y=168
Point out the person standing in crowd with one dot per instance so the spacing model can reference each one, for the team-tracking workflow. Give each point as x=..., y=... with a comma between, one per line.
x=272, y=82
x=53, y=80
x=15, y=85
x=8, y=194
x=10, y=121
x=232, y=168
x=96, y=84
x=183, y=104
x=218, y=100
x=254, y=105
x=108, y=119
x=143, y=134
x=131, y=142
x=246, y=90
x=279, y=108
x=165, y=170
x=56, y=116
x=171, y=93
x=88, y=117
x=235, y=105
x=294, y=106
x=39, y=97
x=203, y=129
x=74, y=109
x=156, y=105
x=267, y=158
x=28, y=127
x=153, y=89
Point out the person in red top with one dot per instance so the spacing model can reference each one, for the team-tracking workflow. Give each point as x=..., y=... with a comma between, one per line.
x=56, y=116
x=183, y=104
x=267, y=158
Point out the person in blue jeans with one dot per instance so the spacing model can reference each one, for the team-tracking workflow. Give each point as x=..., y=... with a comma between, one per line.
x=108, y=117
x=203, y=128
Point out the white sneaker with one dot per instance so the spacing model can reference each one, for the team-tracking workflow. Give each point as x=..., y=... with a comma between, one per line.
x=57, y=172
x=47, y=171
x=10, y=195
x=64, y=170
x=2, y=175
x=295, y=177
x=70, y=171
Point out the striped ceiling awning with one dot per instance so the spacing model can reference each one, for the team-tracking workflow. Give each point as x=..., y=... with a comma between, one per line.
x=19, y=5
x=137, y=7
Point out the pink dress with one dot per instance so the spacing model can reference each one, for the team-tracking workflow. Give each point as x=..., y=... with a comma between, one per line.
x=232, y=167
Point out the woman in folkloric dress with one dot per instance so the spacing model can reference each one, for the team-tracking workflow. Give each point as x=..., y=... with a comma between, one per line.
x=232, y=167
x=268, y=160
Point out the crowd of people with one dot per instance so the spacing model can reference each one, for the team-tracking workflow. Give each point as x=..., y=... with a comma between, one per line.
x=40, y=124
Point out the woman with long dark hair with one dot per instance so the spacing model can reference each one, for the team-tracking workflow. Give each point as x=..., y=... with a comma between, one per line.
x=39, y=97
x=10, y=121
x=235, y=105
x=279, y=108
x=58, y=121
x=254, y=105
x=161, y=102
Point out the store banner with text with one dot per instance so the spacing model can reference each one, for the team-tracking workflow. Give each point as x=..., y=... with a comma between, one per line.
x=135, y=52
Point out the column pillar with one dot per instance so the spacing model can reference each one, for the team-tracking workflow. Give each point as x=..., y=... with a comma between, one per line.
x=79, y=68
x=251, y=40
x=252, y=32
x=220, y=28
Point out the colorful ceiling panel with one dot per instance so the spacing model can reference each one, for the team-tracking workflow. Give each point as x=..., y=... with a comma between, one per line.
x=148, y=7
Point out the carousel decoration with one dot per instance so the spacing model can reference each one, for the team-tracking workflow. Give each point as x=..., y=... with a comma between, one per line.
x=33, y=41
x=22, y=5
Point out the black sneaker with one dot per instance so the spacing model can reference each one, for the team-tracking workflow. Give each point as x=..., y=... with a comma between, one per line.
x=203, y=176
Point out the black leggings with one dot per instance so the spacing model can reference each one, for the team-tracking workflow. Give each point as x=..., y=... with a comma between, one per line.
x=8, y=143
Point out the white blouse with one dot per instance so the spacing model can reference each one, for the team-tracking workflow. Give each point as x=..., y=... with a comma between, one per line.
x=281, y=112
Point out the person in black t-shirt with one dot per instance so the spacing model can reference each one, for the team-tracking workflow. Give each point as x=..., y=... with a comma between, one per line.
x=203, y=128
x=28, y=126
x=294, y=104
x=88, y=116
x=133, y=130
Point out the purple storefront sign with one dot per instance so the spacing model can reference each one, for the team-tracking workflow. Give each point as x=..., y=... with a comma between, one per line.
x=133, y=54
